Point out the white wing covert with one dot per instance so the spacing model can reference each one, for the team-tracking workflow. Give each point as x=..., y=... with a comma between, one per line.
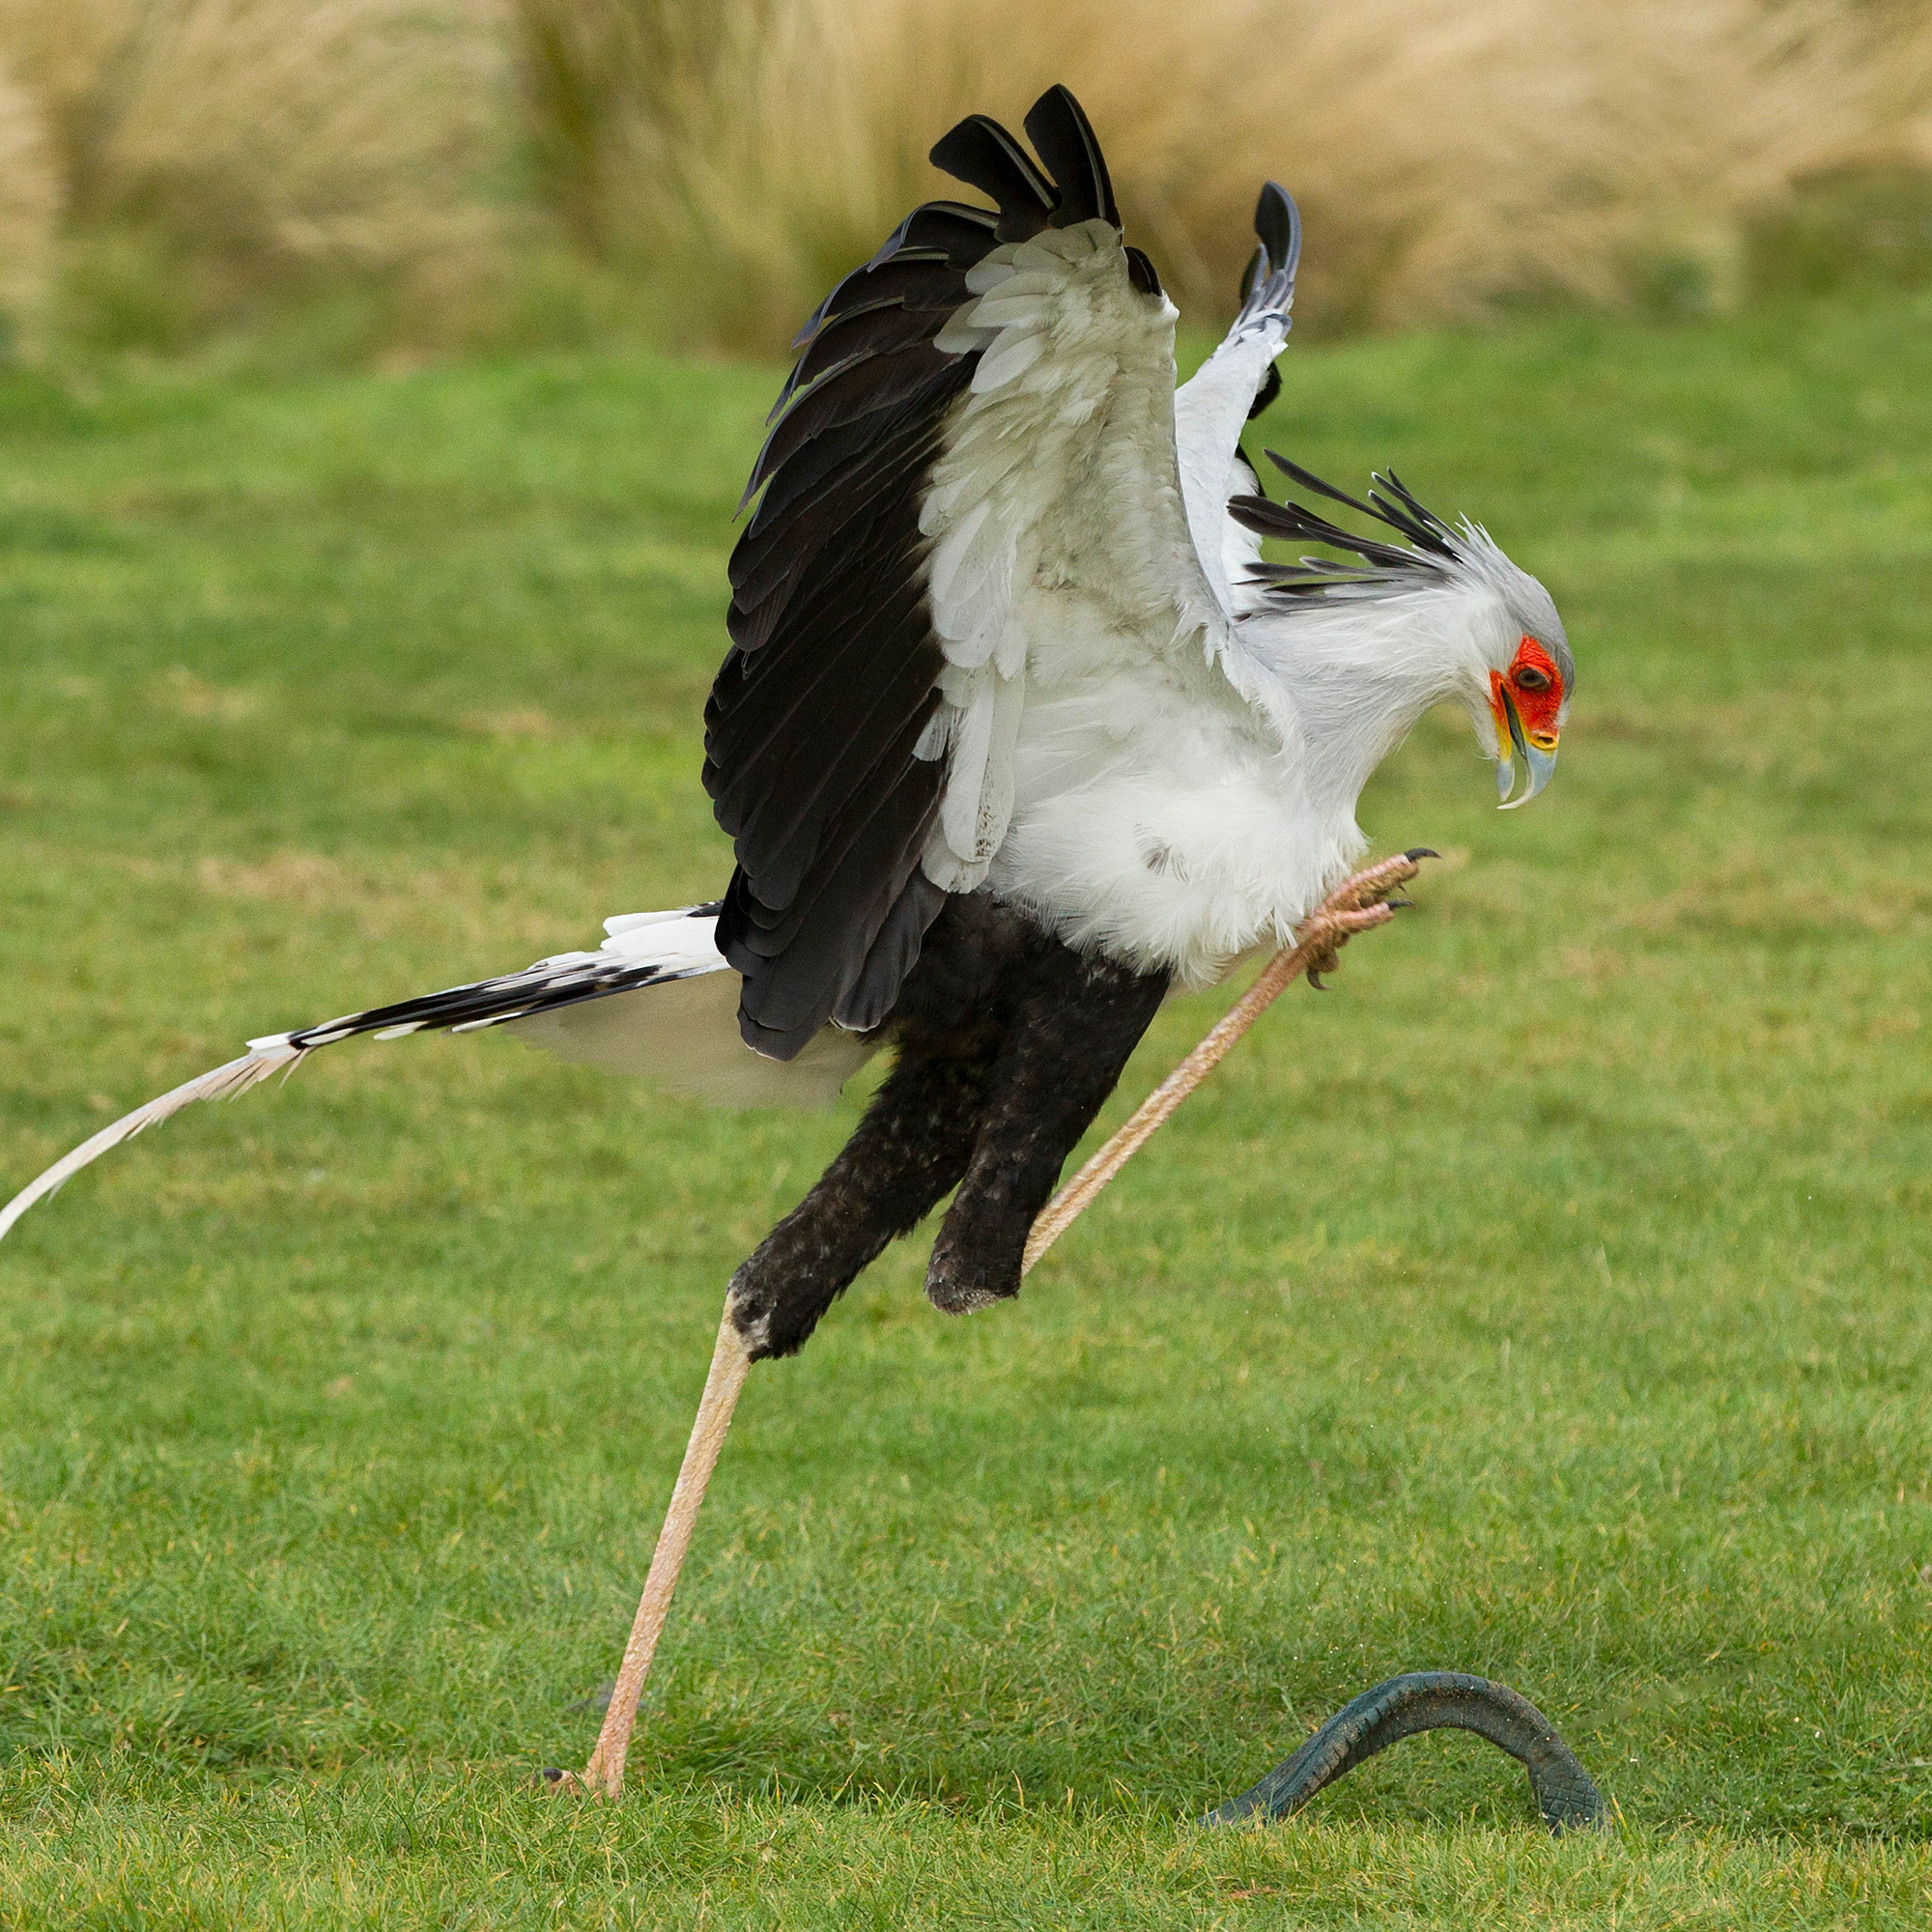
x=1061, y=543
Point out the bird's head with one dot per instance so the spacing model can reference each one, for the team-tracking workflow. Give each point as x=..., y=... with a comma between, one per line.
x=1445, y=610
x=1519, y=695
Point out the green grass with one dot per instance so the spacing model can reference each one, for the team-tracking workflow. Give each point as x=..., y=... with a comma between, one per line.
x=1550, y=1300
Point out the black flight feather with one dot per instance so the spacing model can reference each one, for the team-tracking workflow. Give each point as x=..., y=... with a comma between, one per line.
x=875, y=382
x=833, y=668
x=863, y=854
x=808, y=620
x=1279, y=227
x=1064, y=139
x=799, y=527
x=951, y=231
x=917, y=278
x=789, y=826
x=823, y=462
x=1140, y=271
x=760, y=708
x=964, y=232
x=792, y=564
x=785, y=956
x=810, y=617
x=783, y=707
x=848, y=340
x=982, y=153
x=892, y=954
x=881, y=287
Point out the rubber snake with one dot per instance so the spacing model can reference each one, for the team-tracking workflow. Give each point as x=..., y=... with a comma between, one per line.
x=1430, y=1700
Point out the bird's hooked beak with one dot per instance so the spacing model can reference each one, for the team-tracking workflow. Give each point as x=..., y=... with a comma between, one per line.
x=1535, y=746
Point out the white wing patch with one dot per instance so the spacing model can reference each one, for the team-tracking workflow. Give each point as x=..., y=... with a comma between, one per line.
x=1210, y=411
x=1057, y=487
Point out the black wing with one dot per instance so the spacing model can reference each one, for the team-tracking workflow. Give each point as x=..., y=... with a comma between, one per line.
x=812, y=725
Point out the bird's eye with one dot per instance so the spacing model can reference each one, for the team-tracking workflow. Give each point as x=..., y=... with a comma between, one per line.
x=1529, y=678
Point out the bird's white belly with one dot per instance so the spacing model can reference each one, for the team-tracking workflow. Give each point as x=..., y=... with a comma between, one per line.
x=1163, y=829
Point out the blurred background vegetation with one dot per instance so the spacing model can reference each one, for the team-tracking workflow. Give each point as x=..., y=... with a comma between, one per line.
x=341, y=180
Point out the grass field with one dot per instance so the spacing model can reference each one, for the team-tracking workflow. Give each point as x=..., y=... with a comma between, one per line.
x=1550, y=1300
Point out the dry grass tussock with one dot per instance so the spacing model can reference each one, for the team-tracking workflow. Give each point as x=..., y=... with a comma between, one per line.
x=735, y=156
x=1448, y=153
x=250, y=143
x=29, y=201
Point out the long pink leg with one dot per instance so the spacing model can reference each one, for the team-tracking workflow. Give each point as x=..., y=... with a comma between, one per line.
x=730, y=1364
x=1354, y=906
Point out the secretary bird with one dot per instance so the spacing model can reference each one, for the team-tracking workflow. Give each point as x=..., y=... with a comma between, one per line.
x=1016, y=734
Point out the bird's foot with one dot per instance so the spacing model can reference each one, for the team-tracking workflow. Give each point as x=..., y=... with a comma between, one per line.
x=1358, y=904
x=777, y=1294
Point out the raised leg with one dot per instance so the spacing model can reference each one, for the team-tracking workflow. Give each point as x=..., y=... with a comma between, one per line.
x=1074, y=1024
x=950, y=1030
x=1358, y=904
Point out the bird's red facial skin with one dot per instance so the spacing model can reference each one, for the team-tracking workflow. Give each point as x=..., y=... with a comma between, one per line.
x=1536, y=690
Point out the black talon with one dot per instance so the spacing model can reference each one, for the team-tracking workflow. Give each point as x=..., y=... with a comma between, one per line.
x=1315, y=980
x=1397, y=900
x=1421, y=852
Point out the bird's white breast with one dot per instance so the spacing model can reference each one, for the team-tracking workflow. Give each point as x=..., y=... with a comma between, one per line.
x=1156, y=816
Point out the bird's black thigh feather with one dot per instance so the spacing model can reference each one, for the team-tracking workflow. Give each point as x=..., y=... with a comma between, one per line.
x=1073, y=1026
x=1008, y=1042
x=913, y=1145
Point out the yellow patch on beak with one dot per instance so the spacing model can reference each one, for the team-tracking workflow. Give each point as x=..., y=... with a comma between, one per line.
x=1536, y=749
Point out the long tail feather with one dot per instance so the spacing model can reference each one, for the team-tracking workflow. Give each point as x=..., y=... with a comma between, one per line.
x=222, y=1083
x=642, y=950
x=575, y=1005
